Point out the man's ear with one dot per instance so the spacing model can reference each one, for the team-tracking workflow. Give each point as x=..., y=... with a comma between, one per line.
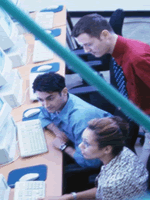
x=104, y=34
x=65, y=91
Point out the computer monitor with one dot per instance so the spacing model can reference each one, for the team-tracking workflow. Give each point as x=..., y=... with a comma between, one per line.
x=8, y=31
x=5, y=68
x=5, y=111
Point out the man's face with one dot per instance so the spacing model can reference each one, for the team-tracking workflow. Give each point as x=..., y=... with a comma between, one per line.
x=93, y=45
x=52, y=101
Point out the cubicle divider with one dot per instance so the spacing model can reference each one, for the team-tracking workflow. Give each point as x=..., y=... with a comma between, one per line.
x=79, y=66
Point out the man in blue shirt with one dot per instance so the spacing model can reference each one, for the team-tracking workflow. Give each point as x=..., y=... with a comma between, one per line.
x=66, y=115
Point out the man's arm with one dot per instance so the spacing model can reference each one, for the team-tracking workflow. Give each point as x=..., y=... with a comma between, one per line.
x=142, y=70
x=57, y=142
x=48, y=124
x=57, y=132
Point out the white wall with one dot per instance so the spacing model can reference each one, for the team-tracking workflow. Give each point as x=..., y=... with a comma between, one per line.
x=89, y=5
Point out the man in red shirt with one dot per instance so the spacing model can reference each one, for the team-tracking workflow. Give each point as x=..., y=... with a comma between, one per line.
x=97, y=37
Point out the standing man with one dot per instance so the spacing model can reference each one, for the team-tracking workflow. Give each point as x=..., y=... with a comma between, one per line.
x=67, y=116
x=130, y=64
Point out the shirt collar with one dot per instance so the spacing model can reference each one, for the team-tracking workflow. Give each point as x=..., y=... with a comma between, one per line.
x=119, y=47
x=53, y=115
x=111, y=163
x=64, y=113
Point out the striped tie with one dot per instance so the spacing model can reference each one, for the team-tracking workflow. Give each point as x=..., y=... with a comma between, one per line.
x=120, y=79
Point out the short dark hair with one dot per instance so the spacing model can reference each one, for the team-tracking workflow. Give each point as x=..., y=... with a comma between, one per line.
x=92, y=24
x=110, y=131
x=49, y=82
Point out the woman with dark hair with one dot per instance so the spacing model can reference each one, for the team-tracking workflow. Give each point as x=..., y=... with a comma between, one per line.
x=123, y=176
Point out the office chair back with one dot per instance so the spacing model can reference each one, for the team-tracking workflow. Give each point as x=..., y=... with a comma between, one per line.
x=116, y=21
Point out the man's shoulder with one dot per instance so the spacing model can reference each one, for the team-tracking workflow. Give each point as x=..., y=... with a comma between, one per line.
x=87, y=111
x=137, y=48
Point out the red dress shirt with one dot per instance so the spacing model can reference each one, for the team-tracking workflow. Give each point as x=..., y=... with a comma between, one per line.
x=134, y=57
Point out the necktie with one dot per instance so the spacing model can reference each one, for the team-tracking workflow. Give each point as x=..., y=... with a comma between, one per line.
x=120, y=79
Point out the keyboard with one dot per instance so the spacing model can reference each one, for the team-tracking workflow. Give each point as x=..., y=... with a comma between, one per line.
x=31, y=138
x=29, y=190
x=45, y=19
x=41, y=52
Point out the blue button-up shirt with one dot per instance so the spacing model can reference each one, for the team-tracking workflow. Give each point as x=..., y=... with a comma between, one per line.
x=72, y=120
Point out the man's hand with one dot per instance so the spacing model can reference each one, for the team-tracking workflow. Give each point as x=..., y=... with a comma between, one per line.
x=57, y=142
x=57, y=132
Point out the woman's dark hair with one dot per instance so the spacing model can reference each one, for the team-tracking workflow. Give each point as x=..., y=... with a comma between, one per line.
x=110, y=131
x=92, y=24
x=49, y=82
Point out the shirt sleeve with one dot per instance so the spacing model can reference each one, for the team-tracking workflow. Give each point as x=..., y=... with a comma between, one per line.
x=44, y=118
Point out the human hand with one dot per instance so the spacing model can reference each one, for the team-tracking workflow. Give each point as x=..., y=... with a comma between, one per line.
x=57, y=132
x=57, y=142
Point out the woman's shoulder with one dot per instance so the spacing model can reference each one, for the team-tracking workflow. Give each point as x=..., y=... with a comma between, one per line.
x=130, y=165
x=129, y=159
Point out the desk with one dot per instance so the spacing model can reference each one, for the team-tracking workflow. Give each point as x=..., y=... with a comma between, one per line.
x=53, y=158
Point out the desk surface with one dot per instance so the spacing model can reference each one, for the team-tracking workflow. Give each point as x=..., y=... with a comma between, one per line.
x=53, y=158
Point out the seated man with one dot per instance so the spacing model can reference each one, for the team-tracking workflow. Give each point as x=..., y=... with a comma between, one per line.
x=66, y=116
